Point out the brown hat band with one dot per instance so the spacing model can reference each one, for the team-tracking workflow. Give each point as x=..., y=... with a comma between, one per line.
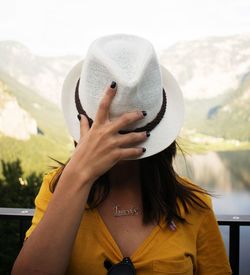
x=148, y=127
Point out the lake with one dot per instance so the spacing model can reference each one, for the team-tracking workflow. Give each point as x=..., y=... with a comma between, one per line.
x=226, y=174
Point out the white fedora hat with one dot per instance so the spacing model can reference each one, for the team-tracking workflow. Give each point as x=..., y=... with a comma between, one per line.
x=142, y=84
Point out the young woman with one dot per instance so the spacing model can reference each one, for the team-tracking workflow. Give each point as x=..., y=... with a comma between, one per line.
x=110, y=210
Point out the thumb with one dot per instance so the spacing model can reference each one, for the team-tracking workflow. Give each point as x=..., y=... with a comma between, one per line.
x=84, y=125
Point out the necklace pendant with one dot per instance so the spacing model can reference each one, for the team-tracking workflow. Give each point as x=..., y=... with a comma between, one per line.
x=125, y=212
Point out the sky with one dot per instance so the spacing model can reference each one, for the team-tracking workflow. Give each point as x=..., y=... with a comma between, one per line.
x=53, y=28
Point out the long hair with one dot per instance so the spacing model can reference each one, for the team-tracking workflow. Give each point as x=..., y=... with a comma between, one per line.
x=161, y=186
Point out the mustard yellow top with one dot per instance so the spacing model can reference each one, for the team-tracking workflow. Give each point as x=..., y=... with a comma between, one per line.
x=190, y=249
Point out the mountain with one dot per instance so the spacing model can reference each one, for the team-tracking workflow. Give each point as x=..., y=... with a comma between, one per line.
x=225, y=116
x=204, y=68
x=209, y=67
x=44, y=75
x=31, y=122
x=214, y=75
x=14, y=121
x=51, y=137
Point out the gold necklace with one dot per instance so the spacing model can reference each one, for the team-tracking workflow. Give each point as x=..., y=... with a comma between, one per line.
x=133, y=211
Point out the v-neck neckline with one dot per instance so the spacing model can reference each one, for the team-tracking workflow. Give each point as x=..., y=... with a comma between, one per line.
x=141, y=246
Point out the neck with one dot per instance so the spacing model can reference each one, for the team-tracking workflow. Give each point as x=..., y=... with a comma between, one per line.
x=124, y=178
x=125, y=175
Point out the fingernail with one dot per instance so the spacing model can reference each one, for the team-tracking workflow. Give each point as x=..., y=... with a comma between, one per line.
x=148, y=133
x=143, y=149
x=79, y=117
x=144, y=113
x=113, y=85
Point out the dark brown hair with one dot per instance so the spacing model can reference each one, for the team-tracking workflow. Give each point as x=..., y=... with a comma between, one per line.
x=161, y=187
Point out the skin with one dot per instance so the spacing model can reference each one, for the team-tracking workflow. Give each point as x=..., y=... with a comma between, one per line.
x=100, y=149
x=121, y=180
x=128, y=232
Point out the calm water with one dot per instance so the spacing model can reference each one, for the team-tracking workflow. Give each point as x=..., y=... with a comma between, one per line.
x=228, y=175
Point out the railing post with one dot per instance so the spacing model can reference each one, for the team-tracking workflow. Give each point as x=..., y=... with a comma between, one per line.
x=234, y=248
x=21, y=232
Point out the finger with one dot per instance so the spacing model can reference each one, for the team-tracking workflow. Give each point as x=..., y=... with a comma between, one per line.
x=104, y=106
x=84, y=125
x=131, y=153
x=132, y=138
x=126, y=119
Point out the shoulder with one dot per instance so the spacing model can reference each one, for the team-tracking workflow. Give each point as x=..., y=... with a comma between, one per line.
x=199, y=197
x=45, y=189
x=197, y=190
x=51, y=173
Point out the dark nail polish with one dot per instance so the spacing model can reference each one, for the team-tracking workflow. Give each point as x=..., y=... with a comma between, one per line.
x=79, y=117
x=143, y=149
x=148, y=133
x=113, y=84
x=144, y=113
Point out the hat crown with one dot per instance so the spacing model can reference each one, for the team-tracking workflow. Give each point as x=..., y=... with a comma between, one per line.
x=143, y=84
x=130, y=61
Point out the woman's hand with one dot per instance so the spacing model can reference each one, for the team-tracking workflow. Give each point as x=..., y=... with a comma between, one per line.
x=101, y=146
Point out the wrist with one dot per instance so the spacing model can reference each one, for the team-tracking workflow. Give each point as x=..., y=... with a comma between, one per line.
x=82, y=177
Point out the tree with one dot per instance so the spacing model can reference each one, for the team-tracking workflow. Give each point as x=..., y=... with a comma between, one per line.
x=17, y=192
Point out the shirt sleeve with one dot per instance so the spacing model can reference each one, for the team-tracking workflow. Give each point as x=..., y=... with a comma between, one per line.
x=41, y=201
x=211, y=252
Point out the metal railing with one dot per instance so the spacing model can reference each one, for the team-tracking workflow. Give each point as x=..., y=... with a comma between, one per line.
x=234, y=223
x=24, y=216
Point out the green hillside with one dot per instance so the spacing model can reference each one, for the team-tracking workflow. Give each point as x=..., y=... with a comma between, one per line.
x=226, y=116
x=53, y=138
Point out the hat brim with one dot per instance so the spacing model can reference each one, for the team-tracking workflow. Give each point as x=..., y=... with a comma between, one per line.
x=160, y=137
